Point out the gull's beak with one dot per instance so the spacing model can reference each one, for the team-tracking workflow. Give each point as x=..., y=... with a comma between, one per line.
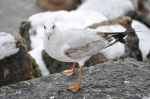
x=49, y=34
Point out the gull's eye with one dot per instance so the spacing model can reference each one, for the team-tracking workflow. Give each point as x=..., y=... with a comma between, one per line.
x=44, y=27
x=53, y=27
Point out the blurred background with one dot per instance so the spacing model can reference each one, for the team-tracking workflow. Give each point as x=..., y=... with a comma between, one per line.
x=14, y=11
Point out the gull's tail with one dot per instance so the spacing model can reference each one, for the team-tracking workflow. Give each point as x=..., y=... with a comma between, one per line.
x=119, y=37
x=115, y=37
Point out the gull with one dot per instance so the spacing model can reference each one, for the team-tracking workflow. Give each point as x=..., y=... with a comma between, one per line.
x=77, y=45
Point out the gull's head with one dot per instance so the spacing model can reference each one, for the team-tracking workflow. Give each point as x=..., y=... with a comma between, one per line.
x=49, y=29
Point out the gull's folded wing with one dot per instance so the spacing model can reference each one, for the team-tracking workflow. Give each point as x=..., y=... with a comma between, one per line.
x=89, y=44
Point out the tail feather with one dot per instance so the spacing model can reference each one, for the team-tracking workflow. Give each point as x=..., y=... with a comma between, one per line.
x=118, y=36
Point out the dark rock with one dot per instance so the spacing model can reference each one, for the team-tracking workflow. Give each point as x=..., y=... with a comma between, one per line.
x=24, y=32
x=132, y=48
x=96, y=59
x=148, y=58
x=55, y=66
x=54, y=5
x=126, y=79
x=142, y=12
x=17, y=67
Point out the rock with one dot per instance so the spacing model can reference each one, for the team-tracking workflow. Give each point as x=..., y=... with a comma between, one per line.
x=142, y=12
x=13, y=12
x=123, y=79
x=54, y=5
x=96, y=59
x=53, y=65
x=17, y=66
x=24, y=32
x=148, y=58
x=132, y=48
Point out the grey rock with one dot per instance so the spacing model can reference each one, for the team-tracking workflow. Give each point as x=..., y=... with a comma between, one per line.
x=124, y=79
x=14, y=11
x=18, y=67
x=132, y=47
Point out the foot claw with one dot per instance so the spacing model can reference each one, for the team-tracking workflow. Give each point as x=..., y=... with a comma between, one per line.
x=74, y=87
x=68, y=72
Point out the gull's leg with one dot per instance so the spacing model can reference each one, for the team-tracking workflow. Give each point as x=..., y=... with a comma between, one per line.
x=70, y=72
x=76, y=86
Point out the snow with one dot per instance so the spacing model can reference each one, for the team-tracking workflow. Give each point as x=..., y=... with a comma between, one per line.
x=143, y=33
x=114, y=52
x=7, y=45
x=37, y=55
x=109, y=8
x=146, y=97
x=126, y=82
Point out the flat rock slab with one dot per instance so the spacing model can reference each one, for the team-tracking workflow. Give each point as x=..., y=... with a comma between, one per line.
x=124, y=79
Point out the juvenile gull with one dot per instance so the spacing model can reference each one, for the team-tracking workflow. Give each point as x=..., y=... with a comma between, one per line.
x=77, y=45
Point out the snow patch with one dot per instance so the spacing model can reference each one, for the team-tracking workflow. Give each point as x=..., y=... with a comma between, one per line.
x=143, y=33
x=109, y=8
x=7, y=45
x=114, y=52
x=37, y=55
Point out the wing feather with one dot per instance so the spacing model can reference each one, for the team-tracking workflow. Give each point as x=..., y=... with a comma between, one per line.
x=85, y=45
x=89, y=43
